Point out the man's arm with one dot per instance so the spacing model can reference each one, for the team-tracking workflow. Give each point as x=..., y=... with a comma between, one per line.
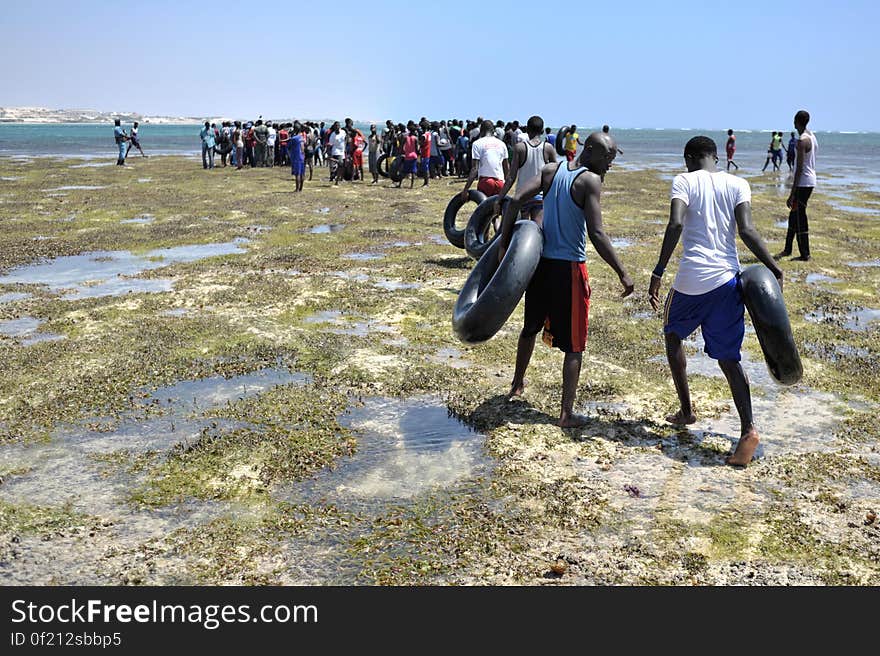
x=677, y=211
x=511, y=211
x=753, y=241
x=549, y=152
x=592, y=189
x=798, y=169
x=511, y=174
x=475, y=166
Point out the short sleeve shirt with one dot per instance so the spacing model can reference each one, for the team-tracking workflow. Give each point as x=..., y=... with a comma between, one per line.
x=337, y=144
x=709, y=258
x=491, y=152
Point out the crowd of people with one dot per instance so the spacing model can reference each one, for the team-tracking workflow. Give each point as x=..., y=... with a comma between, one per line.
x=709, y=208
x=426, y=150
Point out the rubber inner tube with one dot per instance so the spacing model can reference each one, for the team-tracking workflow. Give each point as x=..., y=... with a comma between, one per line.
x=394, y=170
x=222, y=150
x=382, y=164
x=492, y=290
x=476, y=239
x=763, y=300
x=453, y=234
x=560, y=141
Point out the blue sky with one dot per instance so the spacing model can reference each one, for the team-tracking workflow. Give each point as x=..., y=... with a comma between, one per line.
x=693, y=64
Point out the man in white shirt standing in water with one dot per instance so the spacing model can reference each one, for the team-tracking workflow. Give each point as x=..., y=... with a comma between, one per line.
x=707, y=208
x=801, y=188
x=529, y=157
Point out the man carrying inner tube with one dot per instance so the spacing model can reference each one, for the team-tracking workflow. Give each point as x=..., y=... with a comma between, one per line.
x=707, y=208
x=572, y=141
x=529, y=159
x=488, y=161
x=558, y=296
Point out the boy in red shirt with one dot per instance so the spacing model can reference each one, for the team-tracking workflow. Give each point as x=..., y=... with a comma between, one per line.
x=425, y=141
x=410, y=159
x=357, y=155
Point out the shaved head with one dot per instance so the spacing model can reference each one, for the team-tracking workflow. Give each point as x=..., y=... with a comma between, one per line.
x=600, y=149
x=602, y=140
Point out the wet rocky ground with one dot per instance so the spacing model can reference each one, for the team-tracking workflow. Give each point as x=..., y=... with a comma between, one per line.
x=210, y=379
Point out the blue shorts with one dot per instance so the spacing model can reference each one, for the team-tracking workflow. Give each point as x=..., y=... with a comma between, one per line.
x=424, y=164
x=719, y=313
x=409, y=166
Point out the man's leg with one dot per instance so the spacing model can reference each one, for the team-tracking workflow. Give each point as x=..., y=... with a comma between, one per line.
x=204, y=156
x=678, y=367
x=742, y=398
x=524, y=348
x=803, y=229
x=790, y=233
x=571, y=374
x=534, y=315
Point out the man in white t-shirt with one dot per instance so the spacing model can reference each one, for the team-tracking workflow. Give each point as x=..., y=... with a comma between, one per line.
x=708, y=206
x=270, y=144
x=336, y=141
x=488, y=162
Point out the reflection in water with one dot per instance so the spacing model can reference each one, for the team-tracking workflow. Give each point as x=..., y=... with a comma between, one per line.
x=405, y=447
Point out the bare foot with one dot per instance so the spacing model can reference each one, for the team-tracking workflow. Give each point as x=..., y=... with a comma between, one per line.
x=681, y=418
x=516, y=390
x=573, y=421
x=745, y=449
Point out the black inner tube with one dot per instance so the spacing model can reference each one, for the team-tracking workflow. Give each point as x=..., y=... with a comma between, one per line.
x=492, y=290
x=382, y=164
x=476, y=234
x=453, y=234
x=394, y=170
x=763, y=299
x=560, y=140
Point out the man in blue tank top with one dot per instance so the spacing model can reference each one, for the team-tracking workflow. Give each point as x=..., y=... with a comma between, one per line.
x=558, y=297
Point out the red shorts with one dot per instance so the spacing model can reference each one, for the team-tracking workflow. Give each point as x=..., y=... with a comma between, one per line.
x=357, y=157
x=569, y=155
x=558, y=301
x=490, y=186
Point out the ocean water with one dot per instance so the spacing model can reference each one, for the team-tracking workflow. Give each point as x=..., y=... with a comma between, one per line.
x=847, y=157
x=96, y=141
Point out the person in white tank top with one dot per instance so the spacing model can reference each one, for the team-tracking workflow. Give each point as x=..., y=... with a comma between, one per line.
x=801, y=188
x=529, y=157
